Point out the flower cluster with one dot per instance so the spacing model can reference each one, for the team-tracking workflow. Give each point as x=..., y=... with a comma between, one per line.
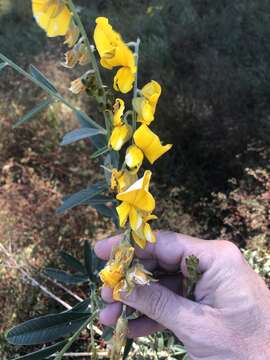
x=118, y=274
x=124, y=132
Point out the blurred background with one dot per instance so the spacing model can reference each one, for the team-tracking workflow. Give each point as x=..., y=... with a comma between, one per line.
x=212, y=60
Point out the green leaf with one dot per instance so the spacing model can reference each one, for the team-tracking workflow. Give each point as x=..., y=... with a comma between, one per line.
x=88, y=260
x=128, y=347
x=43, y=353
x=72, y=262
x=99, y=199
x=46, y=328
x=37, y=74
x=107, y=333
x=42, y=106
x=81, y=307
x=3, y=65
x=107, y=211
x=82, y=196
x=79, y=134
x=64, y=277
x=100, y=152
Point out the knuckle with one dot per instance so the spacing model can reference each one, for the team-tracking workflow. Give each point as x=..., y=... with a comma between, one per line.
x=158, y=303
x=231, y=251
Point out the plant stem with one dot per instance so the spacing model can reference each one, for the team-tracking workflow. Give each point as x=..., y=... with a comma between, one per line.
x=71, y=340
x=93, y=60
x=53, y=94
x=135, y=87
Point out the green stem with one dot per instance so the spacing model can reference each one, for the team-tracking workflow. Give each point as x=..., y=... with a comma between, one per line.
x=71, y=340
x=42, y=86
x=135, y=87
x=93, y=60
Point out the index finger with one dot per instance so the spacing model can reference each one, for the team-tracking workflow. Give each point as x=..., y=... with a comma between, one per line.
x=170, y=249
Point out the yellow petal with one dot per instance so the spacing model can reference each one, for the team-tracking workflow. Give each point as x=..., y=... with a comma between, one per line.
x=111, y=274
x=53, y=17
x=121, y=286
x=120, y=135
x=134, y=157
x=138, y=195
x=123, y=212
x=135, y=219
x=151, y=92
x=148, y=233
x=124, y=254
x=118, y=110
x=140, y=241
x=105, y=38
x=150, y=143
x=123, y=80
x=144, y=110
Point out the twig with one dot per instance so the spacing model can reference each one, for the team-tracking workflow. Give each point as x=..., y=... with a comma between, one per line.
x=100, y=354
x=34, y=282
x=62, y=287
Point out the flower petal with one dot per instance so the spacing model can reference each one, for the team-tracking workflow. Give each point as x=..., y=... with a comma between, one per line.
x=123, y=212
x=150, y=143
x=135, y=219
x=120, y=135
x=123, y=80
x=134, y=157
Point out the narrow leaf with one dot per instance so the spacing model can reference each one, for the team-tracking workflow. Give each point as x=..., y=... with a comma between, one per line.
x=42, y=106
x=79, y=134
x=100, y=152
x=64, y=277
x=128, y=347
x=81, y=307
x=82, y=196
x=43, y=353
x=72, y=262
x=88, y=259
x=3, y=65
x=46, y=328
x=104, y=210
x=37, y=74
x=85, y=121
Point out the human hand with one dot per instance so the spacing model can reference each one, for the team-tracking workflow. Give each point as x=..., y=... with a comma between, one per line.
x=230, y=317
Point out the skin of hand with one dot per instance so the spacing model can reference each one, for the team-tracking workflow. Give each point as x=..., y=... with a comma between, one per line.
x=230, y=317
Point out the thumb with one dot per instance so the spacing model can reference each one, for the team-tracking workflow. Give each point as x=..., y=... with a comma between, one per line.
x=180, y=315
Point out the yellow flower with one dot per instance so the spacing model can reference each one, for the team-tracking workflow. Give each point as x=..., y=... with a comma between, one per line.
x=112, y=274
x=121, y=286
x=121, y=132
x=113, y=53
x=72, y=35
x=145, y=105
x=120, y=135
x=144, y=233
x=134, y=158
x=53, y=16
x=122, y=179
x=123, y=80
x=118, y=111
x=135, y=199
x=115, y=269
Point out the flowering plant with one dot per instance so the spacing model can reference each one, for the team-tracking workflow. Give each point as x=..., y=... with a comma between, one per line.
x=122, y=144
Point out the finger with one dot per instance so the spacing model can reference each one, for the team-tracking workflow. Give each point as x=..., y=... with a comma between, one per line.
x=109, y=315
x=170, y=250
x=103, y=248
x=174, y=312
x=107, y=294
x=143, y=327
